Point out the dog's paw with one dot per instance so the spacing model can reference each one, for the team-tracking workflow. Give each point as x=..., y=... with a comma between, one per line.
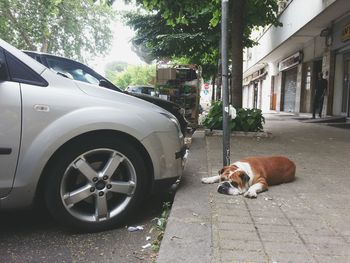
x=207, y=180
x=251, y=194
x=210, y=180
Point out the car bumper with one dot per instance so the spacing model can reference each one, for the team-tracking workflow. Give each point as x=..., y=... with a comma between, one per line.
x=168, y=154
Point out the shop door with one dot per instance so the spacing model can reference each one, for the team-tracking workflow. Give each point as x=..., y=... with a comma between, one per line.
x=290, y=89
x=346, y=89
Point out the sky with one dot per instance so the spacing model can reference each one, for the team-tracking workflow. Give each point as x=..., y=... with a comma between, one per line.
x=121, y=46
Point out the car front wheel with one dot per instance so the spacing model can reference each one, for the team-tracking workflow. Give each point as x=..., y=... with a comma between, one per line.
x=94, y=184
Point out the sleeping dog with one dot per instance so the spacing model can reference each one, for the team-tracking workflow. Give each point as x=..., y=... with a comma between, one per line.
x=253, y=175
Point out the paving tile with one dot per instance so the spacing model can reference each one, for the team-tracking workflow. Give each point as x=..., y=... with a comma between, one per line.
x=267, y=213
x=242, y=245
x=239, y=227
x=233, y=256
x=283, y=247
x=291, y=258
x=329, y=259
x=233, y=213
x=271, y=221
x=280, y=237
x=228, y=225
x=329, y=249
x=315, y=230
x=312, y=223
x=234, y=219
x=275, y=229
x=227, y=206
x=238, y=235
x=317, y=239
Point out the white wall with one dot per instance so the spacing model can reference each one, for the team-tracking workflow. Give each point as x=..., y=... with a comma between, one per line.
x=245, y=96
x=306, y=10
x=298, y=90
x=266, y=94
x=314, y=49
x=278, y=87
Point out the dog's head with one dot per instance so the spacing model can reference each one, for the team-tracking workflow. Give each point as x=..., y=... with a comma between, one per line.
x=233, y=181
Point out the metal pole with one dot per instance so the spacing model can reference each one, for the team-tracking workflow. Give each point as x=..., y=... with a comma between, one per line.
x=225, y=91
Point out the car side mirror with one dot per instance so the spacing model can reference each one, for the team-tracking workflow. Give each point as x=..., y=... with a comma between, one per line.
x=104, y=83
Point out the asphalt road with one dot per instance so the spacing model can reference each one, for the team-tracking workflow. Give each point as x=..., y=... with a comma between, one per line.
x=30, y=237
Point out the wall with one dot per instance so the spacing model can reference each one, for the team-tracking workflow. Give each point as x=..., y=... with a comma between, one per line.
x=275, y=36
x=298, y=90
x=266, y=94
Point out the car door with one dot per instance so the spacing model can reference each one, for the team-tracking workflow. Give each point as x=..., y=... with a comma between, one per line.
x=10, y=126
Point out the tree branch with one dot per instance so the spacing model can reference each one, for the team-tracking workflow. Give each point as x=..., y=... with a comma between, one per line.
x=23, y=34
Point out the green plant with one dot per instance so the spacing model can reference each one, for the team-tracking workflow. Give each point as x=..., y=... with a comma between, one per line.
x=160, y=224
x=247, y=120
x=213, y=120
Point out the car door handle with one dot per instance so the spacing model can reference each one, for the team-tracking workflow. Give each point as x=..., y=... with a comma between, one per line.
x=5, y=151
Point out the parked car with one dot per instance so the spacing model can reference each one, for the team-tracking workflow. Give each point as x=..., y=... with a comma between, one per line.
x=90, y=154
x=148, y=90
x=78, y=71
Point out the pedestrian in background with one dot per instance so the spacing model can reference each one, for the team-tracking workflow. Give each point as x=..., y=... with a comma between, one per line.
x=320, y=92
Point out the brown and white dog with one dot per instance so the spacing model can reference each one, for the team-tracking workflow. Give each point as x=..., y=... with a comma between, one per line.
x=253, y=175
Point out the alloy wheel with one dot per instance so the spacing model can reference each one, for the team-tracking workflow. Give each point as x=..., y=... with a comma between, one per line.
x=98, y=185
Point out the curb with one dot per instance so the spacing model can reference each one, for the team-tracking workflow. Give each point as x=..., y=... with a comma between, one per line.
x=188, y=230
x=209, y=132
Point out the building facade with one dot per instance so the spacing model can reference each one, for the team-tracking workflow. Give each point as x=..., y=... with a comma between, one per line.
x=280, y=73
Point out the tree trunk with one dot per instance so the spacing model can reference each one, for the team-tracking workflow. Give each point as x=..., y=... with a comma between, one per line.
x=44, y=45
x=237, y=29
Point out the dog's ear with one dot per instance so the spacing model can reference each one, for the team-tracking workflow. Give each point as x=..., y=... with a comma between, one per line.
x=244, y=177
x=222, y=170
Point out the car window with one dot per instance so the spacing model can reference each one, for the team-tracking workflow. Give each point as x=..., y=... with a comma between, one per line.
x=3, y=69
x=19, y=72
x=71, y=70
x=149, y=90
x=34, y=56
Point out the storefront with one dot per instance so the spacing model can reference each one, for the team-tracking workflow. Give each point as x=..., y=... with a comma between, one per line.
x=309, y=77
x=253, y=89
x=341, y=47
x=288, y=67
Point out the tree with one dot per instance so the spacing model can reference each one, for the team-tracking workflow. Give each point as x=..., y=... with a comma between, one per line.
x=192, y=42
x=114, y=67
x=72, y=28
x=134, y=75
x=183, y=15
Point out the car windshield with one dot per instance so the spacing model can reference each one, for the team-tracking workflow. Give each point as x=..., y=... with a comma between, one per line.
x=71, y=70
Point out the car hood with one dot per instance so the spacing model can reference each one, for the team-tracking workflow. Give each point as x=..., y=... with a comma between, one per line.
x=112, y=95
x=157, y=101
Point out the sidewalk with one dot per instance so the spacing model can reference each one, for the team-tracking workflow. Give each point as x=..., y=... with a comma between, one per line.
x=303, y=221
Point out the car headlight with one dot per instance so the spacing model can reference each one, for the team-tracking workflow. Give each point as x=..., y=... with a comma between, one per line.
x=173, y=120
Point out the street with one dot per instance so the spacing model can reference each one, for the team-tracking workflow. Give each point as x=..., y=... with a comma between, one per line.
x=29, y=237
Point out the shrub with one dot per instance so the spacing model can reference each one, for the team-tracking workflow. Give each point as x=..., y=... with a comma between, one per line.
x=247, y=120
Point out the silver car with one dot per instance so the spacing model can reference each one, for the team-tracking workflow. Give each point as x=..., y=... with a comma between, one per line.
x=89, y=154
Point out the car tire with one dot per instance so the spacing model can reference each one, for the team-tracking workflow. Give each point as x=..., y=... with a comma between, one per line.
x=95, y=183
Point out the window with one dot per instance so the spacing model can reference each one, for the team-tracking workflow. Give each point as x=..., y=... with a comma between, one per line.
x=3, y=69
x=71, y=69
x=21, y=73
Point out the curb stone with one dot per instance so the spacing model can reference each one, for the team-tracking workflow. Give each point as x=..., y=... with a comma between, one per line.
x=209, y=132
